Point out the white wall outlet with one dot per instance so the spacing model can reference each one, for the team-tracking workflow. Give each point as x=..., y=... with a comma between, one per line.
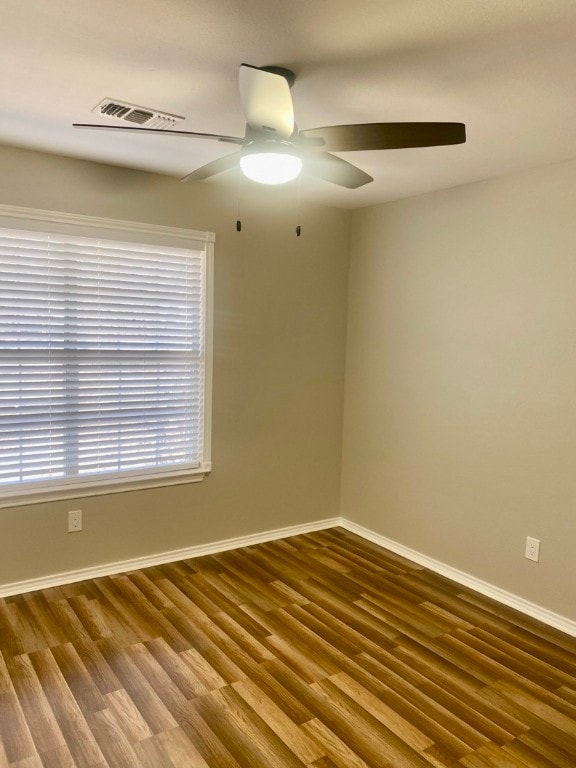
x=532, y=549
x=74, y=520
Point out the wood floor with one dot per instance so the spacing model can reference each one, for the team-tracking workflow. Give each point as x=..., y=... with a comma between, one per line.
x=321, y=650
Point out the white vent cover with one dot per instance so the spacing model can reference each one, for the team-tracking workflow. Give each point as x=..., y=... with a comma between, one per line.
x=130, y=113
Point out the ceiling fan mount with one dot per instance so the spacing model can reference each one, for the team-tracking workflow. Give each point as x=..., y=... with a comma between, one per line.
x=272, y=136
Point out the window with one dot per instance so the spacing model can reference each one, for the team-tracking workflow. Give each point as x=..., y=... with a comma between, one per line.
x=105, y=355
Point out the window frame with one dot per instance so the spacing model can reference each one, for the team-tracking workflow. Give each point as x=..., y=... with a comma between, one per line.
x=114, y=229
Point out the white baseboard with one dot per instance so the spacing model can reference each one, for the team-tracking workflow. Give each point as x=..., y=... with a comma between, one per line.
x=483, y=587
x=123, y=566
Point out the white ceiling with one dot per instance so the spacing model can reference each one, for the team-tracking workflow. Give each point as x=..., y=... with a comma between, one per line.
x=506, y=68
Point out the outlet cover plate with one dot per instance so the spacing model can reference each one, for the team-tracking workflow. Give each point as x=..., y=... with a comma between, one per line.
x=74, y=520
x=532, y=549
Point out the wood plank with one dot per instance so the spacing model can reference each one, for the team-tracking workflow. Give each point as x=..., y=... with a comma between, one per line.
x=397, y=724
x=43, y=726
x=81, y=745
x=87, y=650
x=113, y=742
x=15, y=736
x=181, y=750
x=144, y=696
x=306, y=749
x=248, y=738
x=79, y=678
x=338, y=752
x=320, y=650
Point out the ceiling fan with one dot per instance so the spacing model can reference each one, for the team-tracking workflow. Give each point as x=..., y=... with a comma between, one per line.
x=274, y=150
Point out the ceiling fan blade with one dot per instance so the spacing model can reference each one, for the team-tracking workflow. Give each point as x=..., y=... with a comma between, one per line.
x=267, y=101
x=368, y=136
x=325, y=166
x=214, y=167
x=163, y=131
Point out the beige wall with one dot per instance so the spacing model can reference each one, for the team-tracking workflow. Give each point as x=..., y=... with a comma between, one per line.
x=280, y=314
x=460, y=406
x=460, y=410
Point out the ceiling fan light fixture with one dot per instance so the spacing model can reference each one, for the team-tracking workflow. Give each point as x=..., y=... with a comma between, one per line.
x=269, y=151
x=270, y=167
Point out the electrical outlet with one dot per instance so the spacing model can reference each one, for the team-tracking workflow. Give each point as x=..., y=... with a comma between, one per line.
x=74, y=520
x=532, y=549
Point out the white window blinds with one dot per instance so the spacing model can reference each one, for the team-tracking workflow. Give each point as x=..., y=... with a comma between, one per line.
x=102, y=359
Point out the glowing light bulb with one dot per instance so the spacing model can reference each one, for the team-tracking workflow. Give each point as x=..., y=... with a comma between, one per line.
x=270, y=167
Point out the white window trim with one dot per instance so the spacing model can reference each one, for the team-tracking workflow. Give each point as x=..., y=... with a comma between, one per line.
x=91, y=226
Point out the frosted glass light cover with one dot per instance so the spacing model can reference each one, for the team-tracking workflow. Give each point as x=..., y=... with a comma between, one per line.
x=270, y=167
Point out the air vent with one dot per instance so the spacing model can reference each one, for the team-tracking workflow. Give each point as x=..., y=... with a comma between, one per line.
x=131, y=113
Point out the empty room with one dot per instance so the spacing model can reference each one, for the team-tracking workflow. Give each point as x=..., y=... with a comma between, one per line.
x=288, y=384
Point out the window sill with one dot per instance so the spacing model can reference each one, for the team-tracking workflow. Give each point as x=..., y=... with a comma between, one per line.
x=93, y=487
